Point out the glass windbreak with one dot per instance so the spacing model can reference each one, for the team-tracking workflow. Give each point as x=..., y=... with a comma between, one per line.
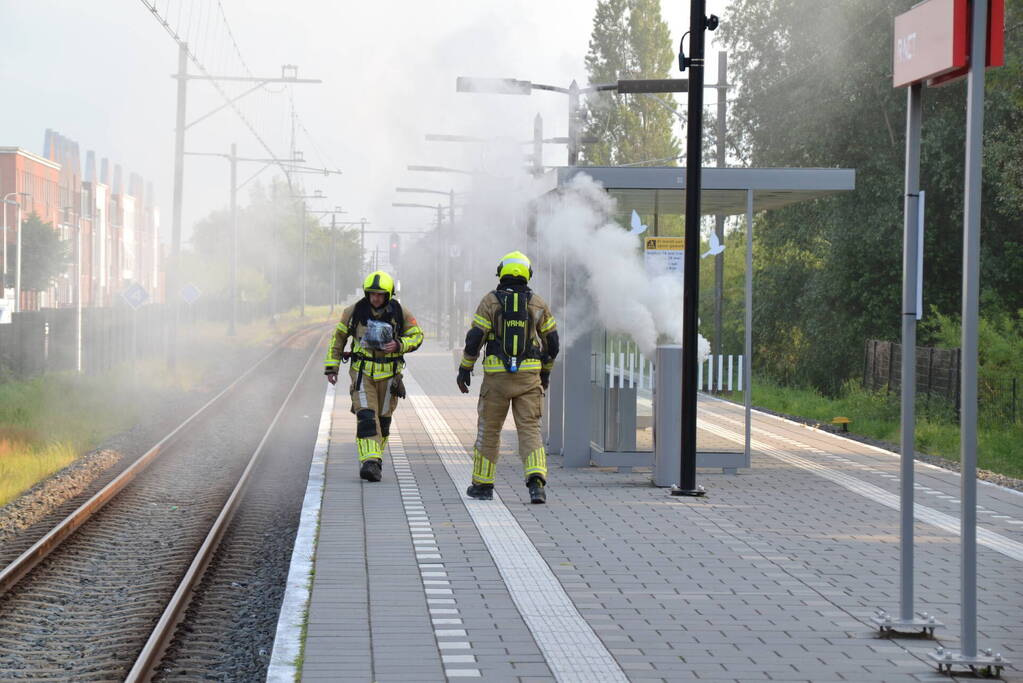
x=628, y=396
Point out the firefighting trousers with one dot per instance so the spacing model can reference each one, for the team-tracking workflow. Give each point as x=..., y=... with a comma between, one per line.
x=373, y=403
x=523, y=393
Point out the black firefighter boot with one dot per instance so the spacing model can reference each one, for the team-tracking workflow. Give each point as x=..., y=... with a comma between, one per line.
x=537, y=492
x=480, y=491
x=370, y=470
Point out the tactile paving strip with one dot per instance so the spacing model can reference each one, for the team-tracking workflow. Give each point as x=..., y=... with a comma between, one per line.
x=992, y=540
x=572, y=649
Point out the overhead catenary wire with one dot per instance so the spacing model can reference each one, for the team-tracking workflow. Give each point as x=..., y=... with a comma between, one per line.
x=194, y=58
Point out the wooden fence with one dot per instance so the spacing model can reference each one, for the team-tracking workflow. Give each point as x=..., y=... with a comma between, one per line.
x=937, y=370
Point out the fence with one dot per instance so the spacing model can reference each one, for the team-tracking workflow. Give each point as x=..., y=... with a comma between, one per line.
x=937, y=370
x=38, y=342
x=938, y=375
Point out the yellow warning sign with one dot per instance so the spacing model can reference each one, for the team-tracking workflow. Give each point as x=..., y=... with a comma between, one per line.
x=666, y=243
x=663, y=255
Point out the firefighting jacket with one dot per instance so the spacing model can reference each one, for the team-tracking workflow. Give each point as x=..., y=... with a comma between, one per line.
x=373, y=363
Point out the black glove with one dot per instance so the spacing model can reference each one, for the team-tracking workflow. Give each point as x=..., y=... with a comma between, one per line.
x=464, y=379
x=545, y=378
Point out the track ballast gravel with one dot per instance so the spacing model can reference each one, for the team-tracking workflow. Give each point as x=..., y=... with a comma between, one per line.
x=85, y=612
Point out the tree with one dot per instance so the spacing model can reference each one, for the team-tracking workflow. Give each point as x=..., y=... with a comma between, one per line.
x=815, y=90
x=629, y=40
x=269, y=240
x=45, y=255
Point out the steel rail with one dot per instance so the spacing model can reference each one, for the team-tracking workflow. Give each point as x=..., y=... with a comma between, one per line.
x=155, y=647
x=29, y=559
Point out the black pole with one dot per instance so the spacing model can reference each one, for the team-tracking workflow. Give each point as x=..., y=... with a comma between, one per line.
x=698, y=23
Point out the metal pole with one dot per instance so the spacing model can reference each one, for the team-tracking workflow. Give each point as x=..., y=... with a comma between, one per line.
x=17, y=265
x=3, y=281
x=362, y=245
x=333, y=261
x=909, y=274
x=449, y=285
x=747, y=365
x=573, y=124
x=719, y=221
x=274, y=253
x=234, y=240
x=78, y=289
x=440, y=275
x=971, y=298
x=538, y=145
x=302, y=276
x=173, y=271
x=691, y=289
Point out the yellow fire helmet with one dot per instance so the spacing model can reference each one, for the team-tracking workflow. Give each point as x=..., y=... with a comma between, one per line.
x=379, y=281
x=515, y=264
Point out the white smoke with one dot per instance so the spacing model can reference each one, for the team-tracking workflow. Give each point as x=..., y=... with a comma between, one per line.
x=613, y=289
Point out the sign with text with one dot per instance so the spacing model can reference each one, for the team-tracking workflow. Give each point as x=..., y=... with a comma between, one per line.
x=931, y=39
x=663, y=255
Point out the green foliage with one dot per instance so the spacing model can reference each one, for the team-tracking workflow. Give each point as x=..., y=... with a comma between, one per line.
x=999, y=345
x=45, y=255
x=814, y=90
x=629, y=40
x=876, y=415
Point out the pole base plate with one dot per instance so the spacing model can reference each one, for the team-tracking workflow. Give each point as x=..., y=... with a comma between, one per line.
x=982, y=664
x=692, y=493
x=923, y=623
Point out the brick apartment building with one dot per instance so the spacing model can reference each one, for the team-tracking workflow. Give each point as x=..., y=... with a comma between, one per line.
x=117, y=217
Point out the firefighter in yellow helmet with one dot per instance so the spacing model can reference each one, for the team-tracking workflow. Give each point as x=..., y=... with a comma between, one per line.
x=382, y=332
x=517, y=333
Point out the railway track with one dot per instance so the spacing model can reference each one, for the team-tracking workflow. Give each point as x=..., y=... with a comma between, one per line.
x=100, y=596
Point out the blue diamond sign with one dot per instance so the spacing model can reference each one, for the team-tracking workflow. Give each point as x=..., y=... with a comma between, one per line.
x=190, y=293
x=135, y=295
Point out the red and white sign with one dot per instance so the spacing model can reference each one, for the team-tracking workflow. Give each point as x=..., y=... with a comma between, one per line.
x=930, y=40
x=995, y=52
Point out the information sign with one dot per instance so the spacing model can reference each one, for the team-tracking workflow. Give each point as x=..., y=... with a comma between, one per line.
x=930, y=40
x=663, y=255
x=135, y=295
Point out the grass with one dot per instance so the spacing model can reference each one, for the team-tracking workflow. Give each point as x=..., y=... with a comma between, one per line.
x=21, y=468
x=47, y=422
x=877, y=416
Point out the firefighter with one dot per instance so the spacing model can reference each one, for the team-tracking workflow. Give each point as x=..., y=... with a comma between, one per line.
x=382, y=332
x=516, y=332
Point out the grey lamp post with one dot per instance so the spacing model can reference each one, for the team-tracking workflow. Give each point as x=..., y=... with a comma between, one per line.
x=7, y=200
x=511, y=86
x=441, y=274
x=448, y=270
x=317, y=194
x=17, y=256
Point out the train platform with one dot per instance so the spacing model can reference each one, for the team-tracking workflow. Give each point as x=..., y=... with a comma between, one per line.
x=774, y=575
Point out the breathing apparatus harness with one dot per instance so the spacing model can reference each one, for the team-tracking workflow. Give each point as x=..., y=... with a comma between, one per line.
x=362, y=314
x=513, y=329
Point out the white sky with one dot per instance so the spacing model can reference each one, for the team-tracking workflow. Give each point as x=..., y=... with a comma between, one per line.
x=98, y=72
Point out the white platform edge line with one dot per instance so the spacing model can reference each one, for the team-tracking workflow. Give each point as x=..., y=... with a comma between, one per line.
x=295, y=605
x=995, y=541
x=562, y=636
x=871, y=447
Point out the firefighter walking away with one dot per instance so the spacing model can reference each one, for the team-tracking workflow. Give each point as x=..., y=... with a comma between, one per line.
x=382, y=332
x=514, y=329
